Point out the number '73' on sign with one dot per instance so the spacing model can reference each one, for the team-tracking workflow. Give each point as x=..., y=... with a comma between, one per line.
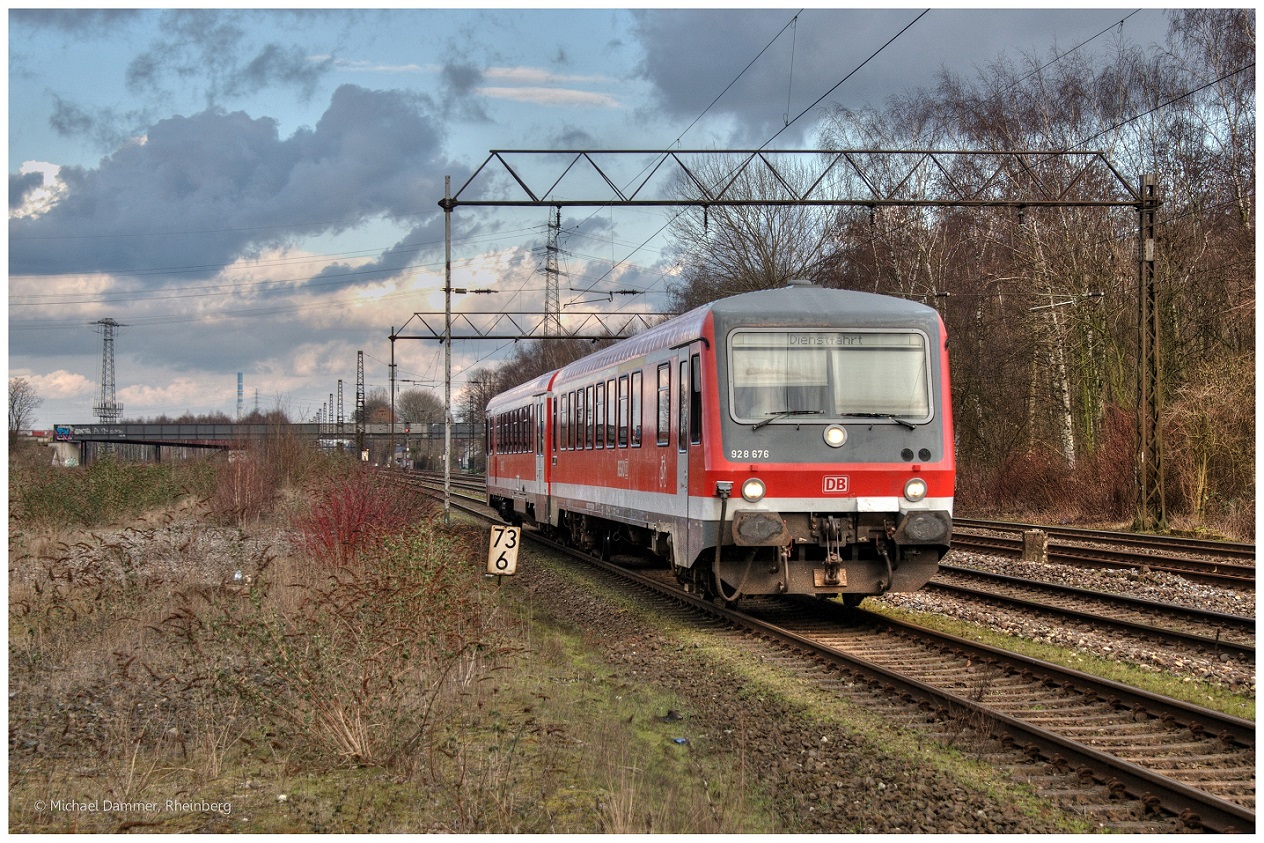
x=502, y=553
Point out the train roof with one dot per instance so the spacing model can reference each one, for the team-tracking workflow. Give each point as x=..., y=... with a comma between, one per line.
x=792, y=302
x=520, y=393
x=786, y=306
x=667, y=334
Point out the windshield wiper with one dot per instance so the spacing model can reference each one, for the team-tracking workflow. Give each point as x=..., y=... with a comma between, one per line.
x=778, y=414
x=893, y=418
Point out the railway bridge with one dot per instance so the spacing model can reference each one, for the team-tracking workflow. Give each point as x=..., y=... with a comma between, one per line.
x=415, y=443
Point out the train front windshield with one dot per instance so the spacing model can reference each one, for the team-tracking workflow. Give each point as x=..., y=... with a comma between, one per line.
x=829, y=375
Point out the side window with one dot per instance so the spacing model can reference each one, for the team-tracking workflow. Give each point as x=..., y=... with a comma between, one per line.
x=695, y=401
x=601, y=416
x=588, y=417
x=571, y=417
x=664, y=404
x=553, y=413
x=611, y=407
x=623, y=411
x=565, y=414
x=635, y=431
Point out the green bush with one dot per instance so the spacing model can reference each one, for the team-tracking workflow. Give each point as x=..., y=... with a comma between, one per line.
x=104, y=492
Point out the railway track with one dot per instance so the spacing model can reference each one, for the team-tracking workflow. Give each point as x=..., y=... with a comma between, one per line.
x=1218, y=563
x=1212, y=632
x=1202, y=632
x=1239, y=551
x=1107, y=742
x=1189, y=762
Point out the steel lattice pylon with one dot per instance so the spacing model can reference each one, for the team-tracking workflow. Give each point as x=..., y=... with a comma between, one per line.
x=359, y=406
x=552, y=288
x=107, y=409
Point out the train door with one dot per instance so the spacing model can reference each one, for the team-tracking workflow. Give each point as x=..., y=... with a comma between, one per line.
x=688, y=448
x=540, y=487
x=539, y=444
x=682, y=468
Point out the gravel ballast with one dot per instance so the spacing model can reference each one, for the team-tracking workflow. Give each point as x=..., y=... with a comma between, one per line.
x=1155, y=586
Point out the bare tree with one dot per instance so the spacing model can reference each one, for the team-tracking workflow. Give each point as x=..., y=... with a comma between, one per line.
x=377, y=406
x=419, y=406
x=23, y=402
x=725, y=250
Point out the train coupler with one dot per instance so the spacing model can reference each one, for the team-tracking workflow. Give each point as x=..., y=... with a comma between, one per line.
x=835, y=536
x=833, y=575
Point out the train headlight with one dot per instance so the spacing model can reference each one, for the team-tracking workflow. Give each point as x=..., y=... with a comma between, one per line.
x=835, y=436
x=753, y=489
x=915, y=489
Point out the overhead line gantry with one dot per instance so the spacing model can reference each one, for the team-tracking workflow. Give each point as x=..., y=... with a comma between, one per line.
x=872, y=178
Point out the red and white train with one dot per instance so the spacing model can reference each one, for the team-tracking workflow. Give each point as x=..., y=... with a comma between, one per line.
x=789, y=441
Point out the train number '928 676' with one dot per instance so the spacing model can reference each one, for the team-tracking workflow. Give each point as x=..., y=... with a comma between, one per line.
x=787, y=441
x=750, y=454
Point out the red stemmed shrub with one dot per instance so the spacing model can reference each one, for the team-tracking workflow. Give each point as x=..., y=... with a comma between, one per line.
x=353, y=512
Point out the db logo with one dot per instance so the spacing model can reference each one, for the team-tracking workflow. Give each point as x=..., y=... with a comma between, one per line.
x=835, y=485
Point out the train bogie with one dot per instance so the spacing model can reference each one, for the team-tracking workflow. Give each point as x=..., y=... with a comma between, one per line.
x=795, y=441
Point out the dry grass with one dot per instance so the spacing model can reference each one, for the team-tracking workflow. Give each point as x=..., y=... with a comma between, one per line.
x=151, y=688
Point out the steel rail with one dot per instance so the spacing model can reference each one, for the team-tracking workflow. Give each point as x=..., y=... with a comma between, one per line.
x=1221, y=573
x=1227, y=549
x=1193, y=805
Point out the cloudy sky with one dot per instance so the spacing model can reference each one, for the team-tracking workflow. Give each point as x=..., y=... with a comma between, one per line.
x=257, y=192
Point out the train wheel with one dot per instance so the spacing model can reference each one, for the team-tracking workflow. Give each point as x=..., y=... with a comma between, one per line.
x=697, y=580
x=851, y=601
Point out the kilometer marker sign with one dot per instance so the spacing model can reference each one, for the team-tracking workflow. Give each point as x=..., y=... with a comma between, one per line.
x=502, y=554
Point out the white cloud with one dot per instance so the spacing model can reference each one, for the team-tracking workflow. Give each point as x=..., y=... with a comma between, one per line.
x=62, y=384
x=552, y=96
x=361, y=66
x=539, y=76
x=40, y=200
x=178, y=393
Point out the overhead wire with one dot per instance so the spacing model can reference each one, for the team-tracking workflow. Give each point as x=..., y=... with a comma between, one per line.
x=840, y=82
x=787, y=123
x=676, y=142
x=1169, y=102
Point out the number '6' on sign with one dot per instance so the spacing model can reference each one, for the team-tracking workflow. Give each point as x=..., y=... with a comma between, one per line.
x=502, y=554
